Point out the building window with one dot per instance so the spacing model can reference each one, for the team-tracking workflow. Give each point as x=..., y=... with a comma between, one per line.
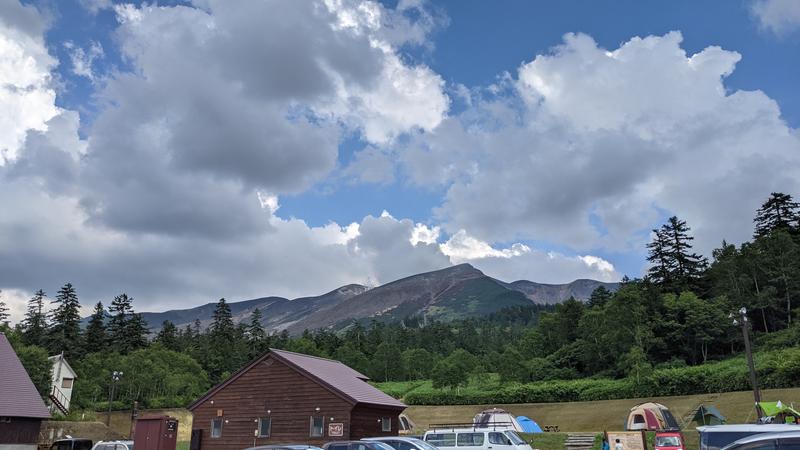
x=66, y=383
x=317, y=426
x=386, y=424
x=264, y=426
x=216, y=427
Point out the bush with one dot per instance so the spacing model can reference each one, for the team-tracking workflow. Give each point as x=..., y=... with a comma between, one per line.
x=776, y=369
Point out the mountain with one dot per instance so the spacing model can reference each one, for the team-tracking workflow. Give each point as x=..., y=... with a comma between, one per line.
x=452, y=293
x=544, y=294
x=278, y=312
x=455, y=292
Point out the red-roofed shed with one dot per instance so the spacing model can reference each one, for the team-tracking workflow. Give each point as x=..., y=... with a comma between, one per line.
x=21, y=407
x=285, y=397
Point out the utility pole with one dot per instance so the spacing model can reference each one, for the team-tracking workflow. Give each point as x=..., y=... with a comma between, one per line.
x=742, y=320
x=114, y=378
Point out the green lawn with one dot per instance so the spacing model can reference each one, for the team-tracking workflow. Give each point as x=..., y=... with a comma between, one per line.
x=182, y=445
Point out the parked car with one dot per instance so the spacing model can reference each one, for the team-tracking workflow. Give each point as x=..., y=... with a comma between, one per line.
x=72, y=444
x=475, y=438
x=715, y=437
x=113, y=445
x=357, y=445
x=789, y=440
x=669, y=440
x=284, y=447
x=403, y=443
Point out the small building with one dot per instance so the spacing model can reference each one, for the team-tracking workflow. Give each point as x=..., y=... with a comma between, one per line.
x=284, y=397
x=21, y=407
x=61, y=385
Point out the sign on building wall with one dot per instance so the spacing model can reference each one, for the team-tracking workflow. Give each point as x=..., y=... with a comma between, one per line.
x=336, y=429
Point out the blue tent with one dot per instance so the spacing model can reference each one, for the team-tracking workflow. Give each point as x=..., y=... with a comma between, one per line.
x=528, y=425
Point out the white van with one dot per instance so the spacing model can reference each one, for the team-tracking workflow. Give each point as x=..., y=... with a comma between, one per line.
x=474, y=438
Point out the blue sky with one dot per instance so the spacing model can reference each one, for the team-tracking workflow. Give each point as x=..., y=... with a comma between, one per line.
x=538, y=140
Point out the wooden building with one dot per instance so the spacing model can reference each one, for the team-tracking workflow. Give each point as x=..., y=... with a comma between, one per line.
x=63, y=378
x=284, y=397
x=21, y=407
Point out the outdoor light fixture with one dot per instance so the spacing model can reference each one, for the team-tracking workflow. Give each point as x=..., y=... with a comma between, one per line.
x=316, y=409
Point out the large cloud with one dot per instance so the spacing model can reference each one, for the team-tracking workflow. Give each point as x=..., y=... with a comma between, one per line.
x=589, y=147
x=224, y=99
x=26, y=95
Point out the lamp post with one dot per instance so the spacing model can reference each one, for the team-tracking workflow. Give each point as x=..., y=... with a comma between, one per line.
x=115, y=376
x=742, y=320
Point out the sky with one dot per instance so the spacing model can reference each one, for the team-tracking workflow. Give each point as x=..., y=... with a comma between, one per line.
x=183, y=151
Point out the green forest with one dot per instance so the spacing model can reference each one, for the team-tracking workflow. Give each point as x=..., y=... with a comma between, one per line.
x=668, y=333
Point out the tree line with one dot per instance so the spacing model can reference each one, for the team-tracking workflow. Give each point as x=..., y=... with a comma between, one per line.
x=676, y=315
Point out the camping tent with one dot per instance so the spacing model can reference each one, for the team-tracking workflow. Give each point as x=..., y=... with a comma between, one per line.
x=780, y=412
x=708, y=415
x=652, y=417
x=497, y=418
x=528, y=425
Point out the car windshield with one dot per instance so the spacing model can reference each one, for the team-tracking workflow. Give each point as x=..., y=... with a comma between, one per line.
x=668, y=441
x=383, y=446
x=514, y=437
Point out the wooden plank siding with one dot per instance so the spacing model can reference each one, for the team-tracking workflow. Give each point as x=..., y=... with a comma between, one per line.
x=290, y=396
x=366, y=421
x=19, y=430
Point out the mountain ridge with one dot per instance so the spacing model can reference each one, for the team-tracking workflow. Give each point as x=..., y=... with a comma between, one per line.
x=454, y=292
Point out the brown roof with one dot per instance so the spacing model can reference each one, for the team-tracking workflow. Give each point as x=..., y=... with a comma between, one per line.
x=18, y=395
x=337, y=377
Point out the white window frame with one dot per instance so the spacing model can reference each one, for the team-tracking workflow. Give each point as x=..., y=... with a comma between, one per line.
x=386, y=424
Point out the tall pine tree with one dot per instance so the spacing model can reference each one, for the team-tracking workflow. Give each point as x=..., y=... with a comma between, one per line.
x=222, y=326
x=95, y=337
x=34, y=325
x=3, y=310
x=127, y=330
x=779, y=212
x=168, y=336
x=658, y=255
x=65, y=331
x=675, y=267
x=256, y=336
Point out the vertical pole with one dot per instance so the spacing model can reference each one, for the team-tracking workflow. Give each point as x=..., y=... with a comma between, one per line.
x=751, y=365
x=110, y=399
x=134, y=414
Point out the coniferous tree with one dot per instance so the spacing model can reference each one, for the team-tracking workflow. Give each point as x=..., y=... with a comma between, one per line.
x=3, y=310
x=95, y=336
x=168, y=336
x=120, y=309
x=34, y=325
x=662, y=262
x=779, y=212
x=675, y=266
x=136, y=332
x=65, y=330
x=127, y=330
x=222, y=326
x=256, y=336
x=599, y=296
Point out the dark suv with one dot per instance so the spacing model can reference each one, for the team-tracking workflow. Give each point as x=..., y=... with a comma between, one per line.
x=72, y=444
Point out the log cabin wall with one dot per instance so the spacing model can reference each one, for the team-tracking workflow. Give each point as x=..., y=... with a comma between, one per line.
x=270, y=389
x=366, y=421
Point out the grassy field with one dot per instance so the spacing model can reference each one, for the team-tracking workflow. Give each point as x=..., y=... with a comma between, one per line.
x=603, y=415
